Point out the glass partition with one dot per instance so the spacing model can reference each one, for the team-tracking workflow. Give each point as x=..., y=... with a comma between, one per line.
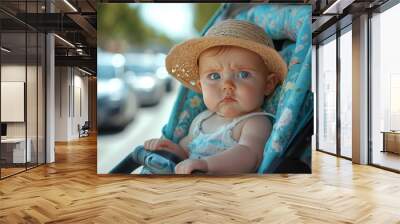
x=327, y=96
x=41, y=110
x=13, y=106
x=22, y=77
x=31, y=99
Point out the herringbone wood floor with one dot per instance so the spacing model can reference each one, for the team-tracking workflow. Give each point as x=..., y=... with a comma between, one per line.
x=70, y=191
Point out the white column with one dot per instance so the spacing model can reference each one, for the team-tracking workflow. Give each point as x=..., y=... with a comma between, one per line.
x=360, y=90
x=50, y=93
x=50, y=100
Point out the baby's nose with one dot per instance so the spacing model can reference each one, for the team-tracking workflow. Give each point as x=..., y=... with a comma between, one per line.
x=229, y=85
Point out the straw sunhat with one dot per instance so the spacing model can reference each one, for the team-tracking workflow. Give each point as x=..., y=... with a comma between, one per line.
x=182, y=60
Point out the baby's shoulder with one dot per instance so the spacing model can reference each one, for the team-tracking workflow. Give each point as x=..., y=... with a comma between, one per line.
x=259, y=124
x=201, y=115
x=197, y=119
x=258, y=121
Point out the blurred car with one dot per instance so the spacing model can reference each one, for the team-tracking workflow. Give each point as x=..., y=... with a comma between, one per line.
x=162, y=74
x=116, y=100
x=141, y=75
x=117, y=105
x=110, y=65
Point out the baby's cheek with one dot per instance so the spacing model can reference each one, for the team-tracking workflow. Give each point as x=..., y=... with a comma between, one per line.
x=209, y=101
x=210, y=93
x=254, y=96
x=250, y=91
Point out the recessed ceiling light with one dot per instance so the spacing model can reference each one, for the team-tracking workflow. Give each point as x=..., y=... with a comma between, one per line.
x=71, y=6
x=64, y=40
x=337, y=7
x=84, y=71
x=5, y=49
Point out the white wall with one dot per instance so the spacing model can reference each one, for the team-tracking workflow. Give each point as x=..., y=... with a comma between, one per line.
x=70, y=83
x=61, y=103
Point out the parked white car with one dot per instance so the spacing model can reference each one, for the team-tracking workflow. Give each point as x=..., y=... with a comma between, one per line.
x=141, y=75
x=116, y=100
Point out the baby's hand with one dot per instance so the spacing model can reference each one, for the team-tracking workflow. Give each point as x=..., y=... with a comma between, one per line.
x=157, y=144
x=189, y=165
x=166, y=145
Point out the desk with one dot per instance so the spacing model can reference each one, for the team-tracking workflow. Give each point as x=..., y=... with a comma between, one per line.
x=391, y=141
x=16, y=147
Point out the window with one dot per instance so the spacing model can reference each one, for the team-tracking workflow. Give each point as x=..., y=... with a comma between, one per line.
x=346, y=75
x=385, y=85
x=327, y=96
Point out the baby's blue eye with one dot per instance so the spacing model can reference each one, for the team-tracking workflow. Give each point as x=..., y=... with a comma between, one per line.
x=214, y=76
x=243, y=74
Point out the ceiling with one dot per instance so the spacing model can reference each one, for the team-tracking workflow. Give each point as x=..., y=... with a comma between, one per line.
x=330, y=15
x=74, y=22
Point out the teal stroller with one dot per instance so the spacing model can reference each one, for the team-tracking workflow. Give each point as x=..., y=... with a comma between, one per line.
x=288, y=149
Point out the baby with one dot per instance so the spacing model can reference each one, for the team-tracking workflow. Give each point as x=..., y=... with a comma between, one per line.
x=234, y=66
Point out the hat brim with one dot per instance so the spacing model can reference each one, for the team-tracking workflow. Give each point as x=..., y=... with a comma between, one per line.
x=181, y=61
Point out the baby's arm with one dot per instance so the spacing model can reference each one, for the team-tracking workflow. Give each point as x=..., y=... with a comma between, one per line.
x=247, y=155
x=180, y=149
x=167, y=145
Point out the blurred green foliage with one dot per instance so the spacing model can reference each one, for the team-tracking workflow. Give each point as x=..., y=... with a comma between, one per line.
x=119, y=23
x=203, y=12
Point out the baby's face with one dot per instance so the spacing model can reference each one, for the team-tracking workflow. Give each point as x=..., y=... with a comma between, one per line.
x=234, y=80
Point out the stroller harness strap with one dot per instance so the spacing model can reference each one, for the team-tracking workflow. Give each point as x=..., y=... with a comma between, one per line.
x=208, y=144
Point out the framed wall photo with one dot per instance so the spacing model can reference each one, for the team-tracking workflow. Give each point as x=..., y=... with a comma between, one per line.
x=12, y=101
x=217, y=56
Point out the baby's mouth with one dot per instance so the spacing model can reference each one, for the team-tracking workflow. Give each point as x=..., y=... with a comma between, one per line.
x=228, y=99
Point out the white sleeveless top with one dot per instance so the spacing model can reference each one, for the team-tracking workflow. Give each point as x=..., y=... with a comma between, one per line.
x=208, y=144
